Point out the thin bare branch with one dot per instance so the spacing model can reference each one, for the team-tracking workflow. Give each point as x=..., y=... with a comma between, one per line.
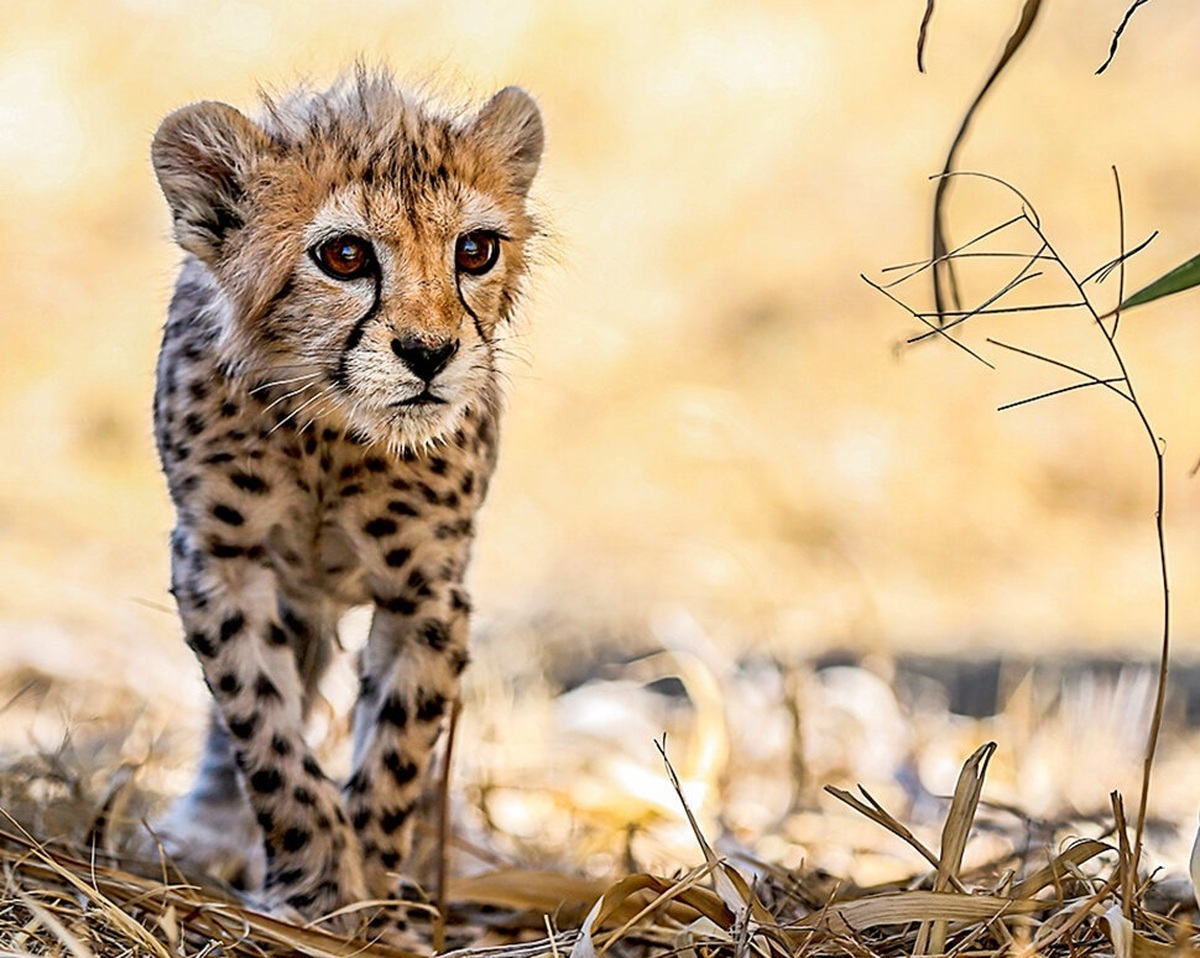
x=919, y=266
x=1061, y=365
x=945, y=283
x=963, y=346
x=1059, y=392
x=1116, y=40
x=1023, y=275
x=923, y=34
x=1003, y=310
x=1101, y=273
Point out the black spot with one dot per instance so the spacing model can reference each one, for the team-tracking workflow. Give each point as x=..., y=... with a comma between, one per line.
x=394, y=712
x=264, y=688
x=199, y=390
x=236, y=435
x=289, y=876
x=331, y=435
x=390, y=859
x=435, y=634
x=431, y=707
x=361, y=819
x=418, y=582
x=451, y=498
x=266, y=780
x=294, y=839
x=356, y=784
x=349, y=472
x=454, y=530
x=397, y=557
x=229, y=409
x=402, y=771
x=354, y=489
x=458, y=661
x=296, y=625
x=310, y=445
x=429, y=493
x=225, y=550
x=375, y=464
x=280, y=745
x=459, y=601
x=219, y=457
x=438, y=465
x=401, y=485
x=468, y=484
x=228, y=515
x=199, y=643
x=276, y=635
x=232, y=626
x=380, y=527
x=304, y=796
x=311, y=766
x=243, y=728
x=399, y=604
x=247, y=482
x=266, y=821
x=302, y=899
x=401, y=508
x=389, y=821
x=193, y=423
x=230, y=684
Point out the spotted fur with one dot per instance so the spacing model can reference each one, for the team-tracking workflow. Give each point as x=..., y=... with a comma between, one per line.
x=327, y=442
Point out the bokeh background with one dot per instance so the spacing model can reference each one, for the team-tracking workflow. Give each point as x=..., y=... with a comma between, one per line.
x=713, y=440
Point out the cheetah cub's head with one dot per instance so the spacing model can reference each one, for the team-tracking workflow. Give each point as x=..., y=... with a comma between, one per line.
x=368, y=247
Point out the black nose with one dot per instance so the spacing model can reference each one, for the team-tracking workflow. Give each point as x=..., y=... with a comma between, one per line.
x=422, y=358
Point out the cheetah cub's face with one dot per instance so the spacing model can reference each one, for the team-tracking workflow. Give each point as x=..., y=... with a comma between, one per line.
x=369, y=249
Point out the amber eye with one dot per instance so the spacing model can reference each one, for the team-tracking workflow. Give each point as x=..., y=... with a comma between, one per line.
x=476, y=252
x=345, y=257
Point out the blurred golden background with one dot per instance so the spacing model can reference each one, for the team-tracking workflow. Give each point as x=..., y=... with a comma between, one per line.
x=713, y=425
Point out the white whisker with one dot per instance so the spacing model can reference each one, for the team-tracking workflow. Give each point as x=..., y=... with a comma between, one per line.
x=286, y=396
x=295, y=412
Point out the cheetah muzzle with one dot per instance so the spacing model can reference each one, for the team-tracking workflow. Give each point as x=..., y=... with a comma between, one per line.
x=326, y=414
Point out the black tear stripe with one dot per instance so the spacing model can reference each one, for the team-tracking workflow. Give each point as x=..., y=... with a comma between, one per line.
x=356, y=334
x=470, y=312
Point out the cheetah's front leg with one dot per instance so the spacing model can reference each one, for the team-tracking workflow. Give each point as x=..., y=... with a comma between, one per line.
x=415, y=654
x=230, y=610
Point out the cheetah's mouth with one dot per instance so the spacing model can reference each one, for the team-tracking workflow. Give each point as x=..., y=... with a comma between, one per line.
x=423, y=398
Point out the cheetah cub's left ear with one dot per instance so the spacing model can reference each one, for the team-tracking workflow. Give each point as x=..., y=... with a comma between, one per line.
x=511, y=124
x=202, y=155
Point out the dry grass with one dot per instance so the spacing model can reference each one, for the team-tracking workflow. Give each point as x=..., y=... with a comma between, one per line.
x=682, y=870
x=79, y=896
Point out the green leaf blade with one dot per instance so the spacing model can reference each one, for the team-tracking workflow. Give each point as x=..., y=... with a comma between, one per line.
x=1180, y=278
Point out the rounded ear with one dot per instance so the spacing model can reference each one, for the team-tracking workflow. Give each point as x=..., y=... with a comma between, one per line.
x=202, y=154
x=512, y=124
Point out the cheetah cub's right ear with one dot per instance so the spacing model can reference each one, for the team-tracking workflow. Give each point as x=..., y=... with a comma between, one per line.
x=202, y=155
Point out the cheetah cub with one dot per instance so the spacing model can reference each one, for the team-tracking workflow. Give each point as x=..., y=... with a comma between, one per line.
x=326, y=414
